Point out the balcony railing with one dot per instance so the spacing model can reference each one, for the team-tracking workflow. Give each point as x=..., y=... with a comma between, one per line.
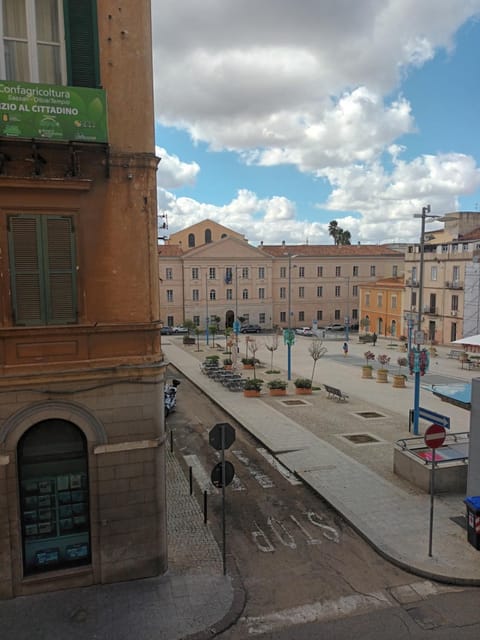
x=454, y=284
x=412, y=282
x=430, y=311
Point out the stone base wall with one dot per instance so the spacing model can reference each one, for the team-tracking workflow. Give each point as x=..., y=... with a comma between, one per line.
x=122, y=417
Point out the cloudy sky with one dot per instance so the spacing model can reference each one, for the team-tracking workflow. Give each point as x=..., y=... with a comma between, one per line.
x=274, y=117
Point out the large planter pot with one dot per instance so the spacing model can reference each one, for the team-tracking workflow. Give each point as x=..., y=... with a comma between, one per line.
x=277, y=392
x=302, y=392
x=382, y=375
x=228, y=367
x=399, y=381
x=248, y=366
x=251, y=393
x=187, y=340
x=367, y=372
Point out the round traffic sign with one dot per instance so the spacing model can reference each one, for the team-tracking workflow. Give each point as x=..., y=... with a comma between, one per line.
x=215, y=435
x=435, y=436
x=216, y=476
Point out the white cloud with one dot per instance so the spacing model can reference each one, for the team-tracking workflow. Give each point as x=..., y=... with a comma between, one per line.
x=172, y=172
x=311, y=84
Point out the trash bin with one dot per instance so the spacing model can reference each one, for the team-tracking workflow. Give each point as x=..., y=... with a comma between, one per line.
x=473, y=520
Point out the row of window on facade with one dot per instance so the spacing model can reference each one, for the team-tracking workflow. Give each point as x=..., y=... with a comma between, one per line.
x=301, y=317
x=245, y=273
x=434, y=275
x=413, y=301
x=245, y=293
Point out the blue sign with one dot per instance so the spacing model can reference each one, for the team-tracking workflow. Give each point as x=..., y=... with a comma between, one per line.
x=236, y=327
x=436, y=418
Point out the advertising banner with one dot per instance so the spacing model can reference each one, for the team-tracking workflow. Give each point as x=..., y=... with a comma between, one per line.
x=52, y=112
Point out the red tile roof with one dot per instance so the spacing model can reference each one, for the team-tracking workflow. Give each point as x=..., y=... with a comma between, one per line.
x=169, y=250
x=327, y=251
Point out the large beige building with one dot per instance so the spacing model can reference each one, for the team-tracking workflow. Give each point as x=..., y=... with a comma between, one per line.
x=208, y=271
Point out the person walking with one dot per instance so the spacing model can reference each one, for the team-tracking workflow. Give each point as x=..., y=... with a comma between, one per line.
x=374, y=338
x=345, y=348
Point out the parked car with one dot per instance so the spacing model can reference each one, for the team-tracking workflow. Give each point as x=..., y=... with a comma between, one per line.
x=304, y=331
x=250, y=328
x=166, y=331
x=335, y=327
x=179, y=329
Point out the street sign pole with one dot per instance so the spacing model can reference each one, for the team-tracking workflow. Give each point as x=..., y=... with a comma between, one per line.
x=224, y=536
x=434, y=438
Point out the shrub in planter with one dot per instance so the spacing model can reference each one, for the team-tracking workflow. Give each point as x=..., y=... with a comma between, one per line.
x=303, y=383
x=188, y=340
x=277, y=384
x=227, y=361
x=253, y=384
x=213, y=358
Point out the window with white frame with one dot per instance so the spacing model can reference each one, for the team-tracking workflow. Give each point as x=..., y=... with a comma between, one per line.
x=355, y=291
x=283, y=293
x=245, y=294
x=261, y=273
x=245, y=273
x=456, y=274
x=301, y=292
x=213, y=294
x=454, y=305
x=49, y=42
x=169, y=295
x=195, y=273
x=338, y=291
x=169, y=273
x=195, y=295
x=301, y=272
x=212, y=273
x=261, y=293
x=433, y=273
x=229, y=293
x=283, y=272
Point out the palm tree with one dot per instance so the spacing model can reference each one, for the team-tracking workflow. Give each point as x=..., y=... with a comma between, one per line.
x=333, y=230
x=344, y=237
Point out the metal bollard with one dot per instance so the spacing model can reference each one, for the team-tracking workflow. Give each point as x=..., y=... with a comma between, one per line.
x=204, y=507
x=171, y=441
x=190, y=478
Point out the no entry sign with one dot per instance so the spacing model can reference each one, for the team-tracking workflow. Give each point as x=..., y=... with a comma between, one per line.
x=435, y=436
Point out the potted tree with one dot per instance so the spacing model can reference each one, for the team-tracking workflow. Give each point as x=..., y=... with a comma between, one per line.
x=189, y=326
x=382, y=373
x=252, y=387
x=227, y=363
x=277, y=387
x=399, y=378
x=248, y=363
x=367, y=367
x=303, y=386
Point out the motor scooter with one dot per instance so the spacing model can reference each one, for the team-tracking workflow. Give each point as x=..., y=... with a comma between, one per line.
x=170, y=396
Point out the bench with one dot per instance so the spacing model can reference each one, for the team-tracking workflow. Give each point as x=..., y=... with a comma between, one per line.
x=455, y=353
x=365, y=339
x=333, y=392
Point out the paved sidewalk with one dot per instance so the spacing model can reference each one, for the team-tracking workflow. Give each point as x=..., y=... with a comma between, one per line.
x=357, y=481
x=191, y=601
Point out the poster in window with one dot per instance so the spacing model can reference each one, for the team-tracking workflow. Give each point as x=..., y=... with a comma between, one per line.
x=45, y=515
x=66, y=524
x=45, y=527
x=30, y=517
x=44, y=501
x=77, y=551
x=31, y=530
x=65, y=511
x=45, y=486
x=30, y=487
x=64, y=497
x=63, y=483
x=47, y=556
x=30, y=502
x=75, y=481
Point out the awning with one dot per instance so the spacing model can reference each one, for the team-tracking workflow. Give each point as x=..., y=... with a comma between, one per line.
x=459, y=394
x=473, y=341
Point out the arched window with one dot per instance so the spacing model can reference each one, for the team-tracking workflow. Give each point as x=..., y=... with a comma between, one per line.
x=393, y=329
x=245, y=294
x=191, y=240
x=208, y=236
x=224, y=235
x=213, y=294
x=54, y=497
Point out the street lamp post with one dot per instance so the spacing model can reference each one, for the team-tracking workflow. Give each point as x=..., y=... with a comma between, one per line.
x=289, y=341
x=416, y=400
x=206, y=305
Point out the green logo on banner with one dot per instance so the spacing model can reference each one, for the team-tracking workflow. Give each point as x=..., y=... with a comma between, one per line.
x=52, y=112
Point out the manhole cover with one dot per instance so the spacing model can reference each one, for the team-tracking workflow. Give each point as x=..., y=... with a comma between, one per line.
x=292, y=403
x=370, y=414
x=360, y=438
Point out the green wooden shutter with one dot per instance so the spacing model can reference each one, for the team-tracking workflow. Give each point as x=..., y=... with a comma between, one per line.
x=81, y=38
x=43, y=270
x=60, y=273
x=26, y=281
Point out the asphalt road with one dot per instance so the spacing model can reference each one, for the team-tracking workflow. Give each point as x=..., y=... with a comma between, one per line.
x=305, y=572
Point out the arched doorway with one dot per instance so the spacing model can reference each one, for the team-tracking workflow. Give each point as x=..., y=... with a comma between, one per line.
x=54, y=497
x=229, y=318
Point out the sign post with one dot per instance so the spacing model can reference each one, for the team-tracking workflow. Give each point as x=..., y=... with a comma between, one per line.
x=221, y=436
x=434, y=438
